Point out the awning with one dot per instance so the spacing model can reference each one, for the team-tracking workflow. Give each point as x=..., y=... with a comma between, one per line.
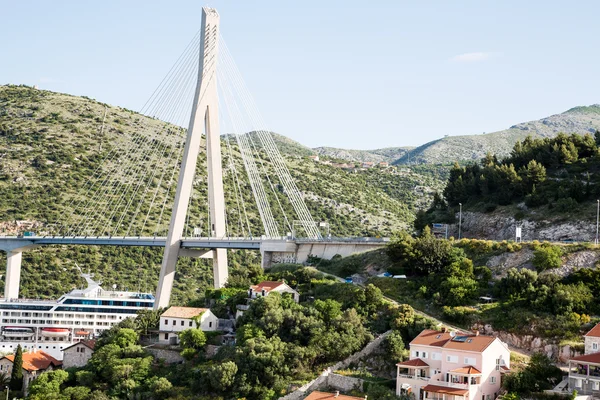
x=445, y=390
x=466, y=371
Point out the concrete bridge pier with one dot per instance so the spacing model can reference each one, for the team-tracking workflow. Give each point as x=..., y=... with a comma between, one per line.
x=298, y=252
x=13, y=274
x=14, y=255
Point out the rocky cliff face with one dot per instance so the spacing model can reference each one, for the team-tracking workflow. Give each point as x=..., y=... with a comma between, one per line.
x=533, y=344
x=502, y=227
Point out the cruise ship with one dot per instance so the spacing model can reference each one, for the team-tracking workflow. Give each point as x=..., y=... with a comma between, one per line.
x=52, y=325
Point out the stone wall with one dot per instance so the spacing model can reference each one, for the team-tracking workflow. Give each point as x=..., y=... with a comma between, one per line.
x=344, y=383
x=168, y=355
x=323, y=380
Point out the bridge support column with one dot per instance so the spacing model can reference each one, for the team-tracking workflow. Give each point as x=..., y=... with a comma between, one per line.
x=205, y=117
x=267, y=259
x=220, y=270
x=13, y=275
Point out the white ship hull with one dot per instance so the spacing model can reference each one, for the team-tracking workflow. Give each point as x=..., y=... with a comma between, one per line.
x=52, y=326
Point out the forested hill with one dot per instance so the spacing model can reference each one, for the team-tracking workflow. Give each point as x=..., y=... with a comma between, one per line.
x=546, y=178
x=51, y=144
x=579, y=120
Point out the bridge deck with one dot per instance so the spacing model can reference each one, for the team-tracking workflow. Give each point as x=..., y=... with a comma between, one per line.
x=8, y=243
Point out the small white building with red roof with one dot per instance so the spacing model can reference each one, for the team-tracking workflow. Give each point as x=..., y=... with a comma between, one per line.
x=267, y=287
x=177, y=319
x=453, y=366
x=584, y=371
x=78, y=354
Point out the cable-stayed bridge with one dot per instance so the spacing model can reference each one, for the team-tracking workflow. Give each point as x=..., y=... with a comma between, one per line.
x=164, y=185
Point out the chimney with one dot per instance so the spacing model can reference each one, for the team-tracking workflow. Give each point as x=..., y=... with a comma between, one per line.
x=337, y=394
x=476, y=332
x=444, y=329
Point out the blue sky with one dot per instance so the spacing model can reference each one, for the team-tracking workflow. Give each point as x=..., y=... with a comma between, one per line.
x=338, y=73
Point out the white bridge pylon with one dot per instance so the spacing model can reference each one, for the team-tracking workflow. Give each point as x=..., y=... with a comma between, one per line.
x=204, y=118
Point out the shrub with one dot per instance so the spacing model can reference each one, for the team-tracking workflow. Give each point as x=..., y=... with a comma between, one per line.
x=546, y=257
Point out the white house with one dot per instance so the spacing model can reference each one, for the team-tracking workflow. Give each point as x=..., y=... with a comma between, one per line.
x=78, y=354
x=177, y=319
x=584, y=371
x=449, y=366
x=266, y=287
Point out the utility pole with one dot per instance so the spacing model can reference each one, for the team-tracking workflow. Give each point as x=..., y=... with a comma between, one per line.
x=459, y=219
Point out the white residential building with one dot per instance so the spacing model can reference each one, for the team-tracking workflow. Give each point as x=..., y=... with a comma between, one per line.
x=453, y=366
x=177, y=319
x=267, y=287
x=584, y=371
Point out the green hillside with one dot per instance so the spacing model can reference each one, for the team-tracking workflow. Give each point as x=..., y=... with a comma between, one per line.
x=51, y=144
x=549, y=178
x=579, y=120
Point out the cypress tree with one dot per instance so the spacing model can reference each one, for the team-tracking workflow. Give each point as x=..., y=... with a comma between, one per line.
x=16, y=377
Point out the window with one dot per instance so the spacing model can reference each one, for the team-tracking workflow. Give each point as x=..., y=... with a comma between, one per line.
x=166, y=336
x=493, y=380
x=596, y=385
x=497, y=364
x=436, y=356
x=166, y=322
x=452, y=359
x=488, y=397
x=190, y=323
x=174, y=322
x=182, y=322
x=469, y=360
x=594, y=346
x=210, y=324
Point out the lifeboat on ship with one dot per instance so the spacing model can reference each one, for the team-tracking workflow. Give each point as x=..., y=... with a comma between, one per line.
x=55, y=332
x=17, y=331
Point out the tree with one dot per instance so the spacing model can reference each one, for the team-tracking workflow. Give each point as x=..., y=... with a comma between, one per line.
x=47, y=385
x=192, y=338
x=533, y=174
x=16, y=376
x=547, y=257
x=394, y=346
x=147, y=319
x=222, y=376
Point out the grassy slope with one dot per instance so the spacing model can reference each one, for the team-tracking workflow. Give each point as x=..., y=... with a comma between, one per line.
x=50, y=145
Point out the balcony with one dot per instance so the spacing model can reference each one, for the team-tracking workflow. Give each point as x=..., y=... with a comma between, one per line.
x=412, y=377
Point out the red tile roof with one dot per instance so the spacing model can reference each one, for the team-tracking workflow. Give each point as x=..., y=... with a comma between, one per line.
x=591, y=358
x=330, y=396
x=467, y=370
x=415, y=362
x=267, y=285
x=36, y=361
x=594, y=332
x=90, y=344
x=471, y=343
x=430, y=337
x=183, y=312
x=476, y=343
x=445, y=390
